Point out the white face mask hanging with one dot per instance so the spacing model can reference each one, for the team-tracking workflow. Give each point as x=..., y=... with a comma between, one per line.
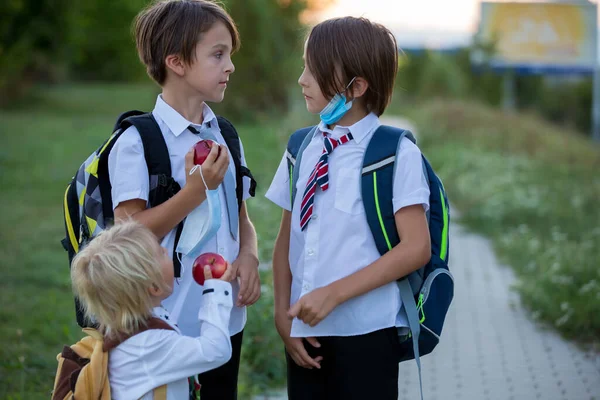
x=202, y=223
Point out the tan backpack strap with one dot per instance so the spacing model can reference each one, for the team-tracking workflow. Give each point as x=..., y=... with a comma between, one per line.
x=152, y=323
x=160, y=393
x=92, y=382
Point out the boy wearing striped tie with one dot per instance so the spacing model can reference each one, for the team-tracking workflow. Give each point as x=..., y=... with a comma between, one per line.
x=337, y=305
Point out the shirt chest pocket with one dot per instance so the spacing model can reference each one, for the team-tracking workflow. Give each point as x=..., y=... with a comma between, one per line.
x=348, y=196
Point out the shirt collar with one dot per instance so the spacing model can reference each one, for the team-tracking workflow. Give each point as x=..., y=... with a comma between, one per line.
x=359, y=129
x=176, y=122
x=161, y=313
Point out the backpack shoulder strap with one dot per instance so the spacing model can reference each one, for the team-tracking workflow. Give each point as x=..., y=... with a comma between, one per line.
x=155, y=147
x=377, y=194
x=91, y=348
x=232, y=140
x=153, y=323
x=295, y=147
x=71, y=360
x=377, y=179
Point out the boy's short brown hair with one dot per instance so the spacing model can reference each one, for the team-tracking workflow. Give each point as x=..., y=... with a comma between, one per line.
x=175, y=27
x=339, y=49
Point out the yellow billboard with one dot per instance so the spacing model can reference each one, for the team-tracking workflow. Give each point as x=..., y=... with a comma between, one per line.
x=541, y=35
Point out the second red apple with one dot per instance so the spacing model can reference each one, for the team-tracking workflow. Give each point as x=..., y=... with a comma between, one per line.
x=217, y=264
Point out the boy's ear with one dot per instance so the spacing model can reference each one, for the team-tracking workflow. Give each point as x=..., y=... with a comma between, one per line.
x=155, y=290
x=359, y=87
x=175, y=63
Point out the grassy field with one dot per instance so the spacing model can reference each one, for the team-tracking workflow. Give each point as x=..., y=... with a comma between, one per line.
x=533, y=188
x=43, y=144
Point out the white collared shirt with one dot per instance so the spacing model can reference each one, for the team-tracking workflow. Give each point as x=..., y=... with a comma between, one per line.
x=129, y=179
x=337, y=241
x=159, y=357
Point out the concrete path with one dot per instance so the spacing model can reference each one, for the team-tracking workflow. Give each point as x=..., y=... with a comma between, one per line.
x=490, y=348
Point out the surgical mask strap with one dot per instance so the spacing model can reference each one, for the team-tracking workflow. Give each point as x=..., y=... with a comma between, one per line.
x=348, y=86
x=199, y=167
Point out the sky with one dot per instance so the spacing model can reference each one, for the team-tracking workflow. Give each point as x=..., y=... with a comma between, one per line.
x=433, y=23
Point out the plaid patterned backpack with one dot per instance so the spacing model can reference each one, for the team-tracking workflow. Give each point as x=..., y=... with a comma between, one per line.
x=87, y=205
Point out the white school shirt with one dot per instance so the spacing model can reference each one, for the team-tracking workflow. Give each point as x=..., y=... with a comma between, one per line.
x=159, y=357
x=128, y=174
x=337, y=241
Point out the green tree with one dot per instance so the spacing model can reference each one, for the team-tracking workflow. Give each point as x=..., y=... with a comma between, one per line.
x=31, y=44
x=100, y=43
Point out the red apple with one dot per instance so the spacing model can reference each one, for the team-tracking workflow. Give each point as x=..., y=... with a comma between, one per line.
x=201, y=150
x=217, y=264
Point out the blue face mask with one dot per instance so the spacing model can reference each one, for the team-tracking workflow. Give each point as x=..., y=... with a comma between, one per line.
x=337, y=107
x=202, y=223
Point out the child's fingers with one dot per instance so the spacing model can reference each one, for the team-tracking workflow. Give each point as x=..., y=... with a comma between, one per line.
x=313, y=321
x=313, y=342
x=223, y=159
x=295, y=310
x=229, y=274
x=207, y=272
x=252, y=293
x=308, y=360
x=297, y=359
x=212, y=155
x=244, y=289
x=189, y=159
x=294, y=351
x=255, y=294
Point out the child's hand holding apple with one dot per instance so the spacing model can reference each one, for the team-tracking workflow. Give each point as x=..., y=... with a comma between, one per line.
x=214, y=165
x=211, y=266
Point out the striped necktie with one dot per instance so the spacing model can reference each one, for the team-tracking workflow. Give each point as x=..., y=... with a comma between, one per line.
x=319, y=176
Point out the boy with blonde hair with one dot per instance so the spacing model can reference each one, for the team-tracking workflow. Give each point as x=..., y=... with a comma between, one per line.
x=120, y=278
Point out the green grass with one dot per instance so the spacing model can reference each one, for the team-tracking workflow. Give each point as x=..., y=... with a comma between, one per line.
x=43, y=144
x=533, y=188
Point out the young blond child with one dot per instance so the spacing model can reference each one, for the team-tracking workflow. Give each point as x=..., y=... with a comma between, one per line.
x=120, y=278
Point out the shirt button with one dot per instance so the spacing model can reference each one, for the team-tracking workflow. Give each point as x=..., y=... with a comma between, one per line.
x=310, y=252
x=221, y=250
x=306, y=287
x=315, y=216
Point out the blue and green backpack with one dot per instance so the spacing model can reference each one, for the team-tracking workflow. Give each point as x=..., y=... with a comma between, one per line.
x=426, y=293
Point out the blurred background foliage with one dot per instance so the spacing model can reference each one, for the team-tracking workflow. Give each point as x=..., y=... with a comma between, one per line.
x=57, y=41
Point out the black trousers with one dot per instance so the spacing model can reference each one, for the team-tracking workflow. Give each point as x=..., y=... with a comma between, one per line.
x=353, y=367
x=221, y=383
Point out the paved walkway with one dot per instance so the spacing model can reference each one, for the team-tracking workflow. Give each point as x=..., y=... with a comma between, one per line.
x=490, y=349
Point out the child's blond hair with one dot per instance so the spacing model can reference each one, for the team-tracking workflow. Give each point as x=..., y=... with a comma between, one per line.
x=112, y=274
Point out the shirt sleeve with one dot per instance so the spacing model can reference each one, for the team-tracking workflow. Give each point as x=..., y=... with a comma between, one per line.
x=169, y=356
x=410, y=182
x=279, y=191
x=127, y=168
